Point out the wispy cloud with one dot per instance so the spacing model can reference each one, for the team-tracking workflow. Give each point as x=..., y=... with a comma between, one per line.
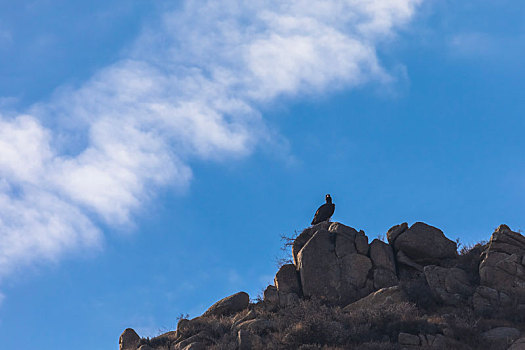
x=479, y=45
x=473, y=44
x=190, y=88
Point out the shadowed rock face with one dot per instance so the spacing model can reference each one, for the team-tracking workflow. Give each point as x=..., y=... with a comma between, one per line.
x=129, y=340
x=385, y=272
x=382, y=297
x=502, y=271
x=333, y=264
x=423, y=244
x=287, y=280
x=229, y=305
x=304, y=237
x=449, y=285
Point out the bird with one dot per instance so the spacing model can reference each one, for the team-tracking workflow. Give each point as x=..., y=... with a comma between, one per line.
x=325, y=211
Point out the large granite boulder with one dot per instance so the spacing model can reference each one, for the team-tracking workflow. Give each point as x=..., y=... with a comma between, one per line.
x=379, y=299
x=287, y=280
x=304, y=237
x=384, y=264
x=508, y=334
x=129, y=340
x=333, y=264
x=503, y=269
x=229, y=305
x=518, y=344
x=450, y=285
x=421, y=244
x=485, y=300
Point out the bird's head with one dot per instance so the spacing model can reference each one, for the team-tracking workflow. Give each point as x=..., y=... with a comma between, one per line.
x=328, y=198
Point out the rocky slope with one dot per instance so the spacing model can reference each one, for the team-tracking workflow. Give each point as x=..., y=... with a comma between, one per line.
x=342, y=292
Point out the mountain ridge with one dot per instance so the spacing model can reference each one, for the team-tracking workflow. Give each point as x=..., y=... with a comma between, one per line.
x=415, y=291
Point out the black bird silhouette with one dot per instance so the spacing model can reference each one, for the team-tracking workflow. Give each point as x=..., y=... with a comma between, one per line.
x=325, y=211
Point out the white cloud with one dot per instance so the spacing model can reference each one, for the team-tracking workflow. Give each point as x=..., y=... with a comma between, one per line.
x=473, y=44
x=485, y=46
x=190, y=88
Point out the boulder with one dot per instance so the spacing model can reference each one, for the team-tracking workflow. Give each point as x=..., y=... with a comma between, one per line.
x=408, y=339
x=256, y=326
x=229, y=305
x=383, y=261
x=450, y=285
x=271, y=296
x=345, y=239
x=240, y=318
x=129, y=340
x=441, y=342
x=485, y=300
x=502, y=267
x=438, y=342
x=287, y=280
x=395, y=231
x=404, y=260
x=380, y=298
x=202, y=337
x=304, y=237
x=274, y=298
x=361, y=243
x=507, y=334
x=319, y=267
x=331, y=267
x=423, y=244
x=382, y=255
x=384, y=278
x=518, y=344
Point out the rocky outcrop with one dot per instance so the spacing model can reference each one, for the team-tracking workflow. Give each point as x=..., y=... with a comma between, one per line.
x=229, y=305
x=486, y=300
x=502, y=268
x=304, y=237
x=449, y=285
x=508, y=334
x=129, y=340
x=519, y=344
x=380, y=298
x=422, y=244
x=427, y=341
x=429, y=297
x=287, y=280
x=382, y=256
x=333, y=264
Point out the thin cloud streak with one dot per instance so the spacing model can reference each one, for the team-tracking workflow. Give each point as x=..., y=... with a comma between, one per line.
x=190, y=89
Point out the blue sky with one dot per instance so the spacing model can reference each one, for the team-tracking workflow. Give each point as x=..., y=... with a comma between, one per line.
x=152, y=153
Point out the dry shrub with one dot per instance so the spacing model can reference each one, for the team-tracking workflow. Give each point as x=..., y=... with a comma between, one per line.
x=389, y=321
x=378, y=346
x=227, y=342
x=161, y=342
x=315, y=324
x=469, y=259
x=214, y=326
